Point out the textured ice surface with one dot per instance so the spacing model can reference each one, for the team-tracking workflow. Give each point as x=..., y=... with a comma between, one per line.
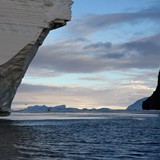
x=21, y=22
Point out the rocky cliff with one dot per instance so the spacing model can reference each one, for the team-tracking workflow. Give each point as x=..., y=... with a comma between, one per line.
x=153, y=102
x=24, y=24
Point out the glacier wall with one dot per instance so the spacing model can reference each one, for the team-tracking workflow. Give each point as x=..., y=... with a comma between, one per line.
x=24, y=24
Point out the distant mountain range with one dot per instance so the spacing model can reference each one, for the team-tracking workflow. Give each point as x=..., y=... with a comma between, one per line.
x=60, y=108
x=137, y=105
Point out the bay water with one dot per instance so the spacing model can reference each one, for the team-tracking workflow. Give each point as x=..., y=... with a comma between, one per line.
x=111, y=135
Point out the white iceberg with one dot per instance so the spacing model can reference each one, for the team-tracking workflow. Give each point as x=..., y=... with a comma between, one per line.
x=137, y=105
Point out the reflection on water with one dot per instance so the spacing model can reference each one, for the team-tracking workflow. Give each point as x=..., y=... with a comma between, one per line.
x=8, y=139
x=80, y=136
x=82, y=115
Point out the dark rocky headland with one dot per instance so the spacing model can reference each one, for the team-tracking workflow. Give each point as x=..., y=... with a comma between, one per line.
x=153, y=102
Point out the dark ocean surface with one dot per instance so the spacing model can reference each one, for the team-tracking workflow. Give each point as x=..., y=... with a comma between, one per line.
x=81, y=136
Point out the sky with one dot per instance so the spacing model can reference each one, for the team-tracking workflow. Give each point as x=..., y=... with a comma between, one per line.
x=108, y=55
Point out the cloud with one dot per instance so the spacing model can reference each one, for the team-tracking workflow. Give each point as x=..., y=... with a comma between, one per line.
x=143, y=53
x=113, y=55
x=95, y=78
x=41, y=72
x=97, y=22
x=109, y=96
x=90, y=23
x=71, y=58
x=79, y=54
x=147, y=46
x=30, y=88
x=54, y=60
x=53, y=95
x=98, y=45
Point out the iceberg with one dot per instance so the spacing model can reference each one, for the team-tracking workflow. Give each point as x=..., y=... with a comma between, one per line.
x=24, y=24
x=137, y=106
x=60, y=108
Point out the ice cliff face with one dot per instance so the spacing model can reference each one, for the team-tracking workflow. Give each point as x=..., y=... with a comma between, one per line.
x=22, y=21
x=24, y=24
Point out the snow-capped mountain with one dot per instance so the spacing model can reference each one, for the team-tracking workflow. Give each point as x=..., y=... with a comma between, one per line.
x=137, y=105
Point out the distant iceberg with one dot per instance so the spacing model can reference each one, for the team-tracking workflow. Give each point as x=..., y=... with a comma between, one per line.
x=36, y=108
x=44, y=108
x=60, y=108
x=137, y=105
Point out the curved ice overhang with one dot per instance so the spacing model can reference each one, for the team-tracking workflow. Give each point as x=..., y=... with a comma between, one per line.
x=22, y=21
x=24, y=24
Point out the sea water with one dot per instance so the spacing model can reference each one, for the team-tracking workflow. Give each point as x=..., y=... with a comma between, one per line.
x=80, y=136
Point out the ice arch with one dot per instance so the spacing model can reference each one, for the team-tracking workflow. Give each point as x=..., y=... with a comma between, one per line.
x=24, y=24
